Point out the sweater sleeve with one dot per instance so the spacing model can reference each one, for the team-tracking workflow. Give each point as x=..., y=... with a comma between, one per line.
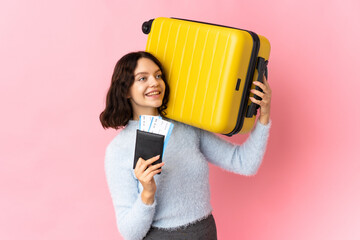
x=242, y=159
x=133, y=217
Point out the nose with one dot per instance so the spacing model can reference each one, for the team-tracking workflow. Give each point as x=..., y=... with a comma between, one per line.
x=153, y=82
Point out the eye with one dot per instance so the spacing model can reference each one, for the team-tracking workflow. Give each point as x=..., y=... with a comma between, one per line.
x=158, y=76
x=142, y=79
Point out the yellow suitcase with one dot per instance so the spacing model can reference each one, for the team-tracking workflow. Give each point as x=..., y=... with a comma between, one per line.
x=210, y=70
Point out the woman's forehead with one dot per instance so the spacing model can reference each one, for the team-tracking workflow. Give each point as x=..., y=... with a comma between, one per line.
x=145, y=65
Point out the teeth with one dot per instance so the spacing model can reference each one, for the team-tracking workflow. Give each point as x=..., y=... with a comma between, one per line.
x=152, y=93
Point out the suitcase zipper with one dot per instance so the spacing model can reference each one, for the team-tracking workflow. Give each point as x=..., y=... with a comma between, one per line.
x=248, y=82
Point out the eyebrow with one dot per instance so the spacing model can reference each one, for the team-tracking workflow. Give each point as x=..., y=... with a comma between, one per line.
x=147, y=72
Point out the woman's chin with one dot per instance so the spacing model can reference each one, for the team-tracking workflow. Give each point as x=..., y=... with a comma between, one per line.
x=155, y=102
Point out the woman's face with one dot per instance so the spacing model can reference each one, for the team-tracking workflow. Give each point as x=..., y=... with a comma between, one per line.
x=147, y=91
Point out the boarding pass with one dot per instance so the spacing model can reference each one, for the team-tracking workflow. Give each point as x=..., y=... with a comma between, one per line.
x=155, y=124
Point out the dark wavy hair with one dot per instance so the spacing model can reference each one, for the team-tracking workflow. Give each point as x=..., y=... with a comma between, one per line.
x=118, y=110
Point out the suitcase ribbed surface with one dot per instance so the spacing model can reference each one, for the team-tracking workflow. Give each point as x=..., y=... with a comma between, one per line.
x=202, y=64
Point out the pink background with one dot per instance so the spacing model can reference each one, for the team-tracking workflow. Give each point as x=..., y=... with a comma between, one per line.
x=57, y=58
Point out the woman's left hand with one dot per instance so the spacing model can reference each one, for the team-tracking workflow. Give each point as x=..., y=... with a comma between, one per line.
x=264, y=102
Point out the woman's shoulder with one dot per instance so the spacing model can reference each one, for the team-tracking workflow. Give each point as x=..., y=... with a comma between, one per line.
x=124, y=138
x=120, y=151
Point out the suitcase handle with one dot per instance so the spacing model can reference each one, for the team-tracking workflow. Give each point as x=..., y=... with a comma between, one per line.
x=262, y=70
x=146, y=26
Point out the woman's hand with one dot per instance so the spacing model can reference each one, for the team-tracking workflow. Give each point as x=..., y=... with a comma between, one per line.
x=145, y=173
x=265, y=102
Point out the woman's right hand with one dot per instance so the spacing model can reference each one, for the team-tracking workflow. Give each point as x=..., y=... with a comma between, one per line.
x=145, y=173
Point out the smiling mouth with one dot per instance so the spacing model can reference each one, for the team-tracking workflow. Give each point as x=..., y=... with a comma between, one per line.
x=152, y=93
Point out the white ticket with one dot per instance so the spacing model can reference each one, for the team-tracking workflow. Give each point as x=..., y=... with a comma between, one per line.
x=155, y=124
x=160, y=126
x=145, y=122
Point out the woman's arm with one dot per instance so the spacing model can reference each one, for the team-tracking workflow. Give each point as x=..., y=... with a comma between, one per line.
x=133, y=216
x=242, y=159
x=246, y=158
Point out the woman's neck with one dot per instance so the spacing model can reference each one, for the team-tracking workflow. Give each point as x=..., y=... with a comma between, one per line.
x=136, y=116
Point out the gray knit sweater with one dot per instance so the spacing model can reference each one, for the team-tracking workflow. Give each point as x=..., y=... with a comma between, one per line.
x=183, y=192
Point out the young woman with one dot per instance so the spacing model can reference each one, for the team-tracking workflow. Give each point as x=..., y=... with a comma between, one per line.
x=176, y=203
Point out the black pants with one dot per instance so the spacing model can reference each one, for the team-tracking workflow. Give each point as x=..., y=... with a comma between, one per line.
x=202, y=230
